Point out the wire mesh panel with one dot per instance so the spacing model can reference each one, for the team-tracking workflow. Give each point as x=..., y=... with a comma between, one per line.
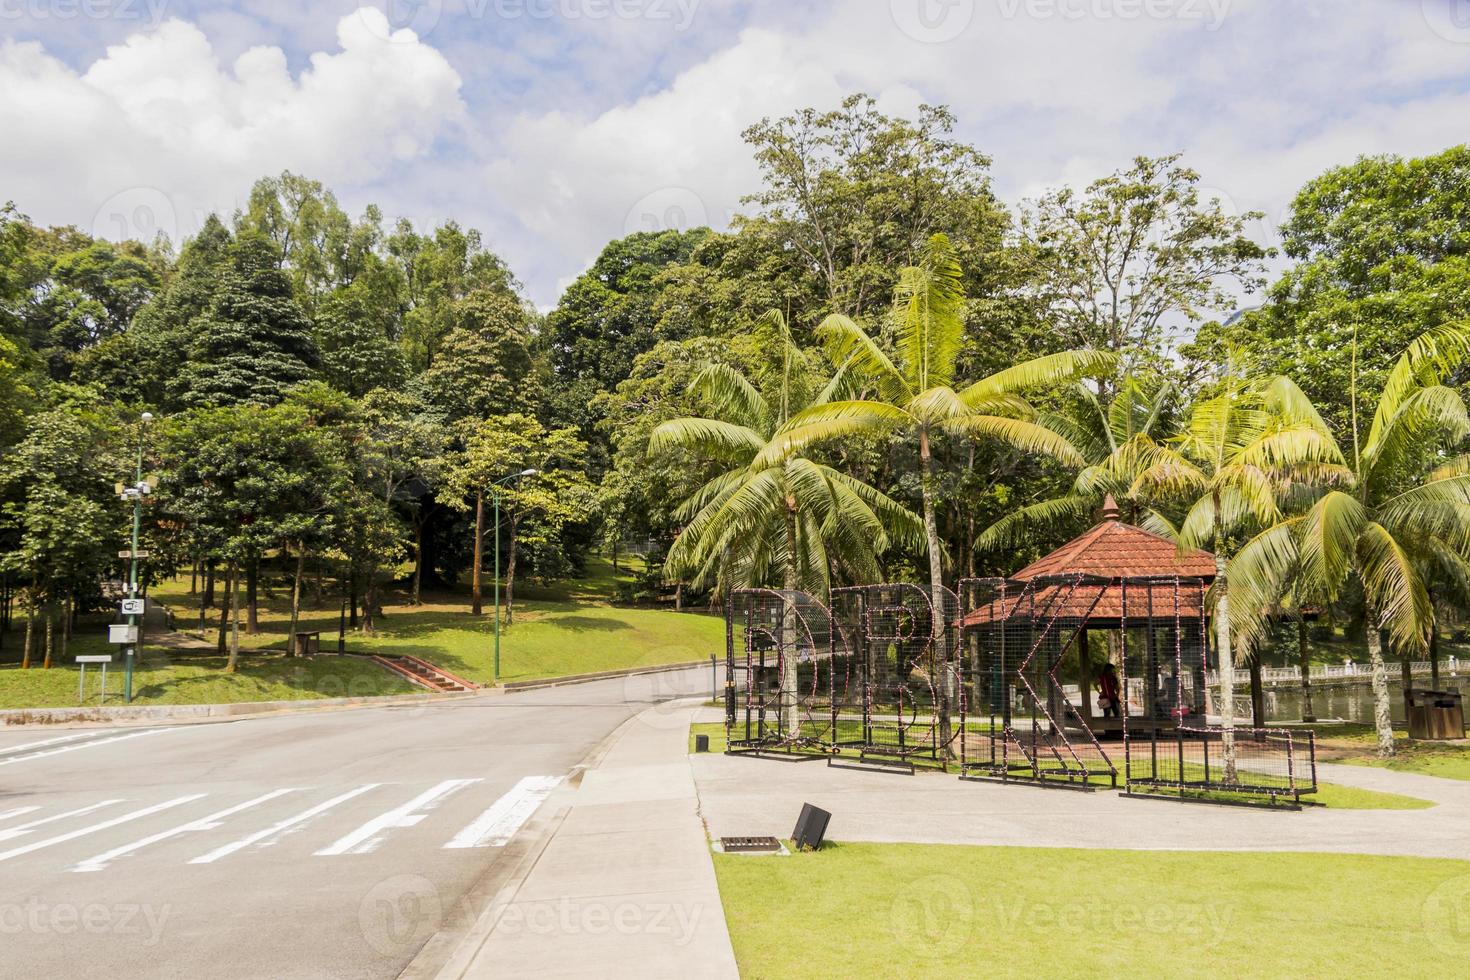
x=1021, y=716
x=901, y=682
x=780, y=650
x=1169, y=741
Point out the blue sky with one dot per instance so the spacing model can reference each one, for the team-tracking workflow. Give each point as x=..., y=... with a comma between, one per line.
x=556, y=125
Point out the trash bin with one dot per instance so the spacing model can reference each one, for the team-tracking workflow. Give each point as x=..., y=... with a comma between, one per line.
x=308, y=643
x=1435, y=714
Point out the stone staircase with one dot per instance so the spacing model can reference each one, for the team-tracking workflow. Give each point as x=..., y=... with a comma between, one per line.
x=425, y=674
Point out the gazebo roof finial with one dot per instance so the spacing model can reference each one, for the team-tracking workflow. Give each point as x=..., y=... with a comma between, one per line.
x=1110, y=510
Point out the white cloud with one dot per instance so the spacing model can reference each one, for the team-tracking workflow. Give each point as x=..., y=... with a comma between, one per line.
x=158, y=132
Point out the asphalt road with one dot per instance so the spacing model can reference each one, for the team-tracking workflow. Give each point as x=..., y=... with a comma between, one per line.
x=314, y=845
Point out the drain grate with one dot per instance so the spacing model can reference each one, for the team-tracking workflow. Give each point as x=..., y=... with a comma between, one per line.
x=750, y=845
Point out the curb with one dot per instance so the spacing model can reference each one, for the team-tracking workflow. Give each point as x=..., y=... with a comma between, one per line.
x=17, y=717
x=601, y=675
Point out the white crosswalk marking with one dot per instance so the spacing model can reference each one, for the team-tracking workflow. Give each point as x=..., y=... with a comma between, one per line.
x=497, y=825
x=367, y=837
x=210, y=822
x=104, y=825
x=281, y=827
x=26, y=828
x=50, y=741
x=44, y=753
x=19, y=811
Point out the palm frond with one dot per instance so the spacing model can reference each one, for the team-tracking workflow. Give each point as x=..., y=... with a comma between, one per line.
x=730, y=395
x=1020, y=434
x=1330, y=533
x=710, y=437
x=1041, y=372
x=850, y=346
x=1394, y=589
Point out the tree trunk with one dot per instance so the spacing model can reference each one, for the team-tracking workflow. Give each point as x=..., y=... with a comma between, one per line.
x=319, y=598
x=370, y=604
x=510, y=573
x=352, y=599
x=1434, y=653
x=789, y=714
x=224, y=609
x=1258, y=695
x=1382, y=714
x=1309, y=713
x=418, y=561
x=1406, y=675
x=25, y=652
x=1225, y=654
x=477, y=603
x=234, y=661
x=252, y=599
x=940, y=664
x=194, y=578
x=296, y=600
x=50, y=639
x=208, y=602
x=66, y=616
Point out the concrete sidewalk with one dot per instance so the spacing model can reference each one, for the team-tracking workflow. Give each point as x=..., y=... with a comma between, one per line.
x=746, y=795
x=623, y=883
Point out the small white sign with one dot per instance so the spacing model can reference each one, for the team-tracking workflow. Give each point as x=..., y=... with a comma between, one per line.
x=105, y=658
x=122, y=633
x=133, y=607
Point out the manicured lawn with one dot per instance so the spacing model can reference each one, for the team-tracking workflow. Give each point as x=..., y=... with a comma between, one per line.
x=1357, y=745
x=170, y=677
x=1328, y=795
x=566, y=629
x=955, y=911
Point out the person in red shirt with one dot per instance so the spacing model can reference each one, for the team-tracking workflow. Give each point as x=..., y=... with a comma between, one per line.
x=1107, y=689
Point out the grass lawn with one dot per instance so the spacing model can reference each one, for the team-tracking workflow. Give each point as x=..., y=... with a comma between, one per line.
x=955, y=911
x=1328, y=795
x=1357, y=745
x=569, y=628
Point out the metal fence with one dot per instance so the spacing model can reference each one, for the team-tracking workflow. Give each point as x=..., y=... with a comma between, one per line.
x=1213, y=763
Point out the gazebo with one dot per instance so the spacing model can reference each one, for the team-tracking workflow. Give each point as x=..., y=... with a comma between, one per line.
x=1032, y=664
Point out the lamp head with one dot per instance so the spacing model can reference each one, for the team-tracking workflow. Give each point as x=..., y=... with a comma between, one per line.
x=527, y=473
x=147, y=417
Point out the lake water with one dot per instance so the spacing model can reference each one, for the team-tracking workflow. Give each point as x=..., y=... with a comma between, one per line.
x=1340, y=699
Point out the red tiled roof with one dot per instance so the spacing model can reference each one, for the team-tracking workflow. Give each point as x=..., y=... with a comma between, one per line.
x=1111, y=551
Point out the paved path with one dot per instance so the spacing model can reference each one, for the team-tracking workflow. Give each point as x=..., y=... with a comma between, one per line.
x=623, y=884
x=320, y=845
x=744, y=795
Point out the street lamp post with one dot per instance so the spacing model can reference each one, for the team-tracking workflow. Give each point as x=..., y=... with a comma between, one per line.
x=135, y=492
x=495, y=496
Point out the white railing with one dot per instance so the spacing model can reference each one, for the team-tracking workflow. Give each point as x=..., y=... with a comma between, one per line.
x=1449, y=667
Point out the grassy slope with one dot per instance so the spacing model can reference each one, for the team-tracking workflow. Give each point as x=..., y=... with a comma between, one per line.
x=567, y=629
x=955, y=911
x=1357, y=745
x=1329, y=795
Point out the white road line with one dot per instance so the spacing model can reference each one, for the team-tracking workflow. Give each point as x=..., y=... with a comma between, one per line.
x=83, y=745
x=210, y=822
x=104, y=825
x=281, y=827
x=26, y=828
x=19, y=811
x=497, y=825
x=367, y=837
x=51, y=741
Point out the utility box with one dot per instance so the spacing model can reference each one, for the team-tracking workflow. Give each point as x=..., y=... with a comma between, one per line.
x=1435, y=714
x=122, y=633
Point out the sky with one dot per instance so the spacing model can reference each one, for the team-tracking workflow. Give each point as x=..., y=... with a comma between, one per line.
x=554, y=126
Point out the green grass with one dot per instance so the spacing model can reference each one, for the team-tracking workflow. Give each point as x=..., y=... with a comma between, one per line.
x=567, y=628
x=1357, y=745
x=956, y=911
x=1330, y=795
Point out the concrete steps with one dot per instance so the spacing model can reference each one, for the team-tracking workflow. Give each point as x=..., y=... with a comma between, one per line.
x=425, y=674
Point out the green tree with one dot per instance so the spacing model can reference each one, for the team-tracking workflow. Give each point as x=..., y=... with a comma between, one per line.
x=773, y=514
x=1114, y=265
x=536, y=474
x=253, y=343
x=1241, y=448
x=484, y=365
x=1117, y=438
x=915, y=390
x=1405, y=509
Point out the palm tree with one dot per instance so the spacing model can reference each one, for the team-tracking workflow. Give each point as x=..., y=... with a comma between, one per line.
x=1117, y=439
x=773, y=513
x=1241, y=450
x=916, y=393
x=1403, y=516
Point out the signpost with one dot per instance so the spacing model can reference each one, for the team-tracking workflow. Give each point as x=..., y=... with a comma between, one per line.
x=133, y=605
x=103, y=659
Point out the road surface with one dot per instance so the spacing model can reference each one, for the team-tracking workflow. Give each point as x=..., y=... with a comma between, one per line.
x=311, y=845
